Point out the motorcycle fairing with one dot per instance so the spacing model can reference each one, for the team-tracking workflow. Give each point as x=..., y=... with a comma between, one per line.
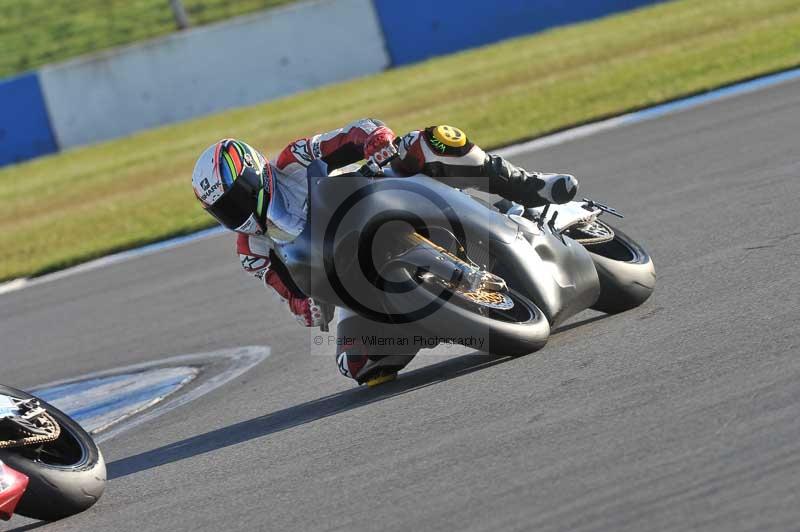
x=553, y=270
x=355, y=215
x=343, y=210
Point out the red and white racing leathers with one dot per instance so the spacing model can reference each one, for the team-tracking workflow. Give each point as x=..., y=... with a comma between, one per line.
x=337, y=148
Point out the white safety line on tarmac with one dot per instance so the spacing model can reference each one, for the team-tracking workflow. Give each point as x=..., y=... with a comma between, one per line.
x=651, y=113
x=97, y=404
x=19, y=284
x=510, y=151
x=239, y=360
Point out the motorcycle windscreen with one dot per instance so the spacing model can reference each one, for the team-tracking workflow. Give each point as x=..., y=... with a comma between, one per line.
x=288, y=208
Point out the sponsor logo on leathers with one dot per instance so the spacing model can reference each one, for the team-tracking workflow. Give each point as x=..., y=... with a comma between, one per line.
x=406, y=143
x=301, y=153
x=253, y=264
x=343, y=365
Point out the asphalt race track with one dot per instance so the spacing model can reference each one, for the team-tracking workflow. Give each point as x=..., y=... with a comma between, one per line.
x=682, y=414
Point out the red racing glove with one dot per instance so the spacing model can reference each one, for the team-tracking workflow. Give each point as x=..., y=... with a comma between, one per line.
x=379, y=146
x=307, y=312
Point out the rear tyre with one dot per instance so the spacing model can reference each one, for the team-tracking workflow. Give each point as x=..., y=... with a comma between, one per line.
x=626, y=271
x=67, y=476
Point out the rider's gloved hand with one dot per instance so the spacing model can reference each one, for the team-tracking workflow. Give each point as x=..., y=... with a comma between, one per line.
x=380, y=139
x=379, y=147
x=305, y=309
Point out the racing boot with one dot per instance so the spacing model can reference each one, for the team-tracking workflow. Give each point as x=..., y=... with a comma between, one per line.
x=360, y=354
x=370, y=370
x=530, y=189
x=380, y=377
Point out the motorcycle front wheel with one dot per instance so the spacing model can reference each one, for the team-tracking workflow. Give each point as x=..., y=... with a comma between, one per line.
x=626, y=271
x=507, y=323
x=66, y=476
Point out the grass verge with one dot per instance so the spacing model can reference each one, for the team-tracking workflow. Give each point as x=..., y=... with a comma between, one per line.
x=67, y=208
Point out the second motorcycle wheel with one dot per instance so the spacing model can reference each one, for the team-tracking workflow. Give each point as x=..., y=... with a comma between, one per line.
x=67, y=476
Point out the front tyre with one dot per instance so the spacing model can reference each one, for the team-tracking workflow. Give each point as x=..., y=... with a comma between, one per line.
x=67, y=476
x=516, y=328
x=626, y=271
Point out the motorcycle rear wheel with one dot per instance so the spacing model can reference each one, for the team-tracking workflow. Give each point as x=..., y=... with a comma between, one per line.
x=67, y=476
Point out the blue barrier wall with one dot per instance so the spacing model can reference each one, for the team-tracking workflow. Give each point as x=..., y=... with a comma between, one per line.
x=419, y=29
x=24, y=125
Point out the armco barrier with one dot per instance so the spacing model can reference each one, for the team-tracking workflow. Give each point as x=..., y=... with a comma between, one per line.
x=238, y=62
x=418, y=29
x=24, y=126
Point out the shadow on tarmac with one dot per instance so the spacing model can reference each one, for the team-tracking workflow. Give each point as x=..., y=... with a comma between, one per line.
x=301, y=414
x=31, y=526
x=311, y=411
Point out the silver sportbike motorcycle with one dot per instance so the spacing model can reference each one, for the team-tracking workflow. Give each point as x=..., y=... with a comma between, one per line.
x=415, y=254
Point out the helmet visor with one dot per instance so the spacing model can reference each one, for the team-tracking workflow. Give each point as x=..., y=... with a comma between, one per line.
x=239, y=208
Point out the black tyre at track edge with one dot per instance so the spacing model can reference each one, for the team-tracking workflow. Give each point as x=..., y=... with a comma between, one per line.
x=57, y=492
x=624, y=284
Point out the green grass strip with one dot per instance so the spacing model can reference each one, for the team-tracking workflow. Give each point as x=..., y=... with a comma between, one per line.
x=87, y=202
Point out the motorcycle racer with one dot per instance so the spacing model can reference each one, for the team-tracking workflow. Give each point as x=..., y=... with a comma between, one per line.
x=266, y=202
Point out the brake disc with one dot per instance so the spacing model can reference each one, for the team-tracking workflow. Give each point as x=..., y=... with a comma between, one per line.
x=487, y=298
